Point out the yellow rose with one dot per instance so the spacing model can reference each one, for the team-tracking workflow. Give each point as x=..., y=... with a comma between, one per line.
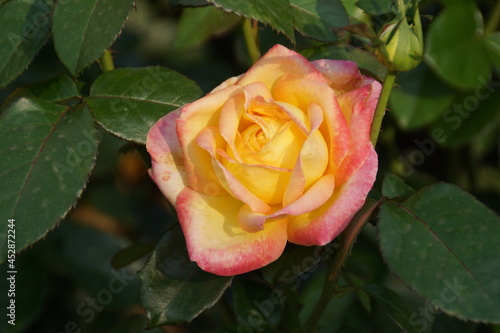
x=280, y=153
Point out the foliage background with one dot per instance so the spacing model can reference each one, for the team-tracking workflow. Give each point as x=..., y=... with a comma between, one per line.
x=120, y=208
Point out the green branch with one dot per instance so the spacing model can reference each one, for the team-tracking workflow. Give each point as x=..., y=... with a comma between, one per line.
x=381, y=106
x=107, y=63
x=493, y=20
x=251, y=33
x=347, y=239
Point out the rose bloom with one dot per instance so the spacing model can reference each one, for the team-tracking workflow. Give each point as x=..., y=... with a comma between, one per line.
x=280, y=153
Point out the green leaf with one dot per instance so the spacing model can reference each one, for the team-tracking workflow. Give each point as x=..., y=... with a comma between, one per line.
x=47, y=153
x=394, y=306
x=366, y=61
x=25, y=29
x=86, y=253
x=419, y=98
x=174, y=289
x=256, y=305
x=393, y=187
x=131, y=254
x=444, y=244
x=376, y=7
x=213, y=21
x=466, y=120
x=55, y=89
x=278, y=13
x=83, y=29
x=317, y=18
x=456, y=49
x=296, y=260
x=128, y=101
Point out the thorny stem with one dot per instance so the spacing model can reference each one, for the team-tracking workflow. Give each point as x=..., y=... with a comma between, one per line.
x=348, y=237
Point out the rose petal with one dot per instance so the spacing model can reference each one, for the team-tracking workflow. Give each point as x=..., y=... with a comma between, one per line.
x=321, y=226
x=342, y=75
x=207, y=140
x=215, y=240
x=301, y=92
x=279, y=61
x=359, y=107
x=194, y=118
x=313, y=158
x=313, y=198
x=167, y=169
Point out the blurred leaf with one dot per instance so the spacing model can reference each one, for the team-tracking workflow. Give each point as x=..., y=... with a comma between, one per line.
x=296, y=260
x=468, y=119
x=189, y=3
x=174, y=289
x=277, y=13
x=256, y=305
x=376, y=7
x=131, y=254
x=393, y=187
x=493, y=46
x=456, y=2
x=394, y=306
x=87, y=254
x=362, y=58
x=444, y=323
x=128, y=101
x=25, y=29
x=456, y=49
x=419, y=99
x=444, y=244
x=212, y=20
x=30, y=293
x=83, y=29
x=54, y=89
x=132, y=324
x=317, y=18
x=48, y=151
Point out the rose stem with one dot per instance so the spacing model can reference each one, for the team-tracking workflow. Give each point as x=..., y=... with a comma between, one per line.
x=347, y=239
x=107, y=63
x=381, y=106
x=251, y=33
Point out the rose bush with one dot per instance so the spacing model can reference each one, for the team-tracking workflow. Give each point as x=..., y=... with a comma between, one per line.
x=280, y=153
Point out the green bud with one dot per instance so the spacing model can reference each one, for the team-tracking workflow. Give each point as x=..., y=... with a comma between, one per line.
x=401, y=46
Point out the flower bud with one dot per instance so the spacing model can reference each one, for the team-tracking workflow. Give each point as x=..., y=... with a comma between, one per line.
x=401, y=46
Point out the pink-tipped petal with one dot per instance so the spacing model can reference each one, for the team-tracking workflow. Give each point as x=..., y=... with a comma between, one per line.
x=279, y=61
x=167, y=169
x=342, y=75
x=322, y=225
x=216, y=241
x=359, y=107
